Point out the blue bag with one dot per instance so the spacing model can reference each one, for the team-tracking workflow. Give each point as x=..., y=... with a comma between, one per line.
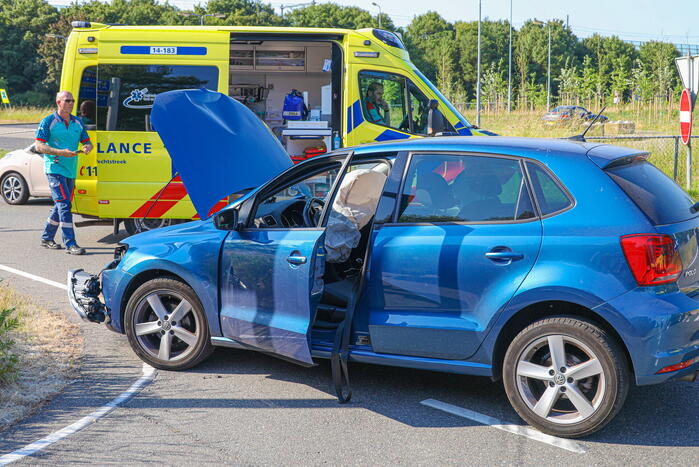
x=294, y=107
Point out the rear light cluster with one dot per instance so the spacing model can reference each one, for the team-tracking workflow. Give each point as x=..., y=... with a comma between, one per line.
x=652, y=258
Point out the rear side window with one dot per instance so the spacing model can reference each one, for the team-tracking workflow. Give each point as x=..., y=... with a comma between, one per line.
x=446, y=188
x=550, y=195
x=656, y=194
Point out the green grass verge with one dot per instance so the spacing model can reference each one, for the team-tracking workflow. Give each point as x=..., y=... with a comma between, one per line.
x=24, y=114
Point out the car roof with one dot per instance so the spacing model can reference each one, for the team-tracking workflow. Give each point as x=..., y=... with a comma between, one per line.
x=534, y=148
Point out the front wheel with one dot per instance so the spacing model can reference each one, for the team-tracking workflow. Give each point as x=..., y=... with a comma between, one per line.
x=565, y=376
x=166, y=325
x=137, y=225
x=14, y=188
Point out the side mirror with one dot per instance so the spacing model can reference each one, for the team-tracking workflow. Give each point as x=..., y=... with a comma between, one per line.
x=227, y=220
x=435, y=119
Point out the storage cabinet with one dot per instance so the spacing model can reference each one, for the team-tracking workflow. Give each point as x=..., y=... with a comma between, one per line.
x=268, y=58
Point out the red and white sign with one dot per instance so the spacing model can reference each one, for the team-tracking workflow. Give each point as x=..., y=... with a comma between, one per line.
x=686, y=116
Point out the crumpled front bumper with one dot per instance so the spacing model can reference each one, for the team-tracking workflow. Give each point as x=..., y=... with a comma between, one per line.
x=84, y=295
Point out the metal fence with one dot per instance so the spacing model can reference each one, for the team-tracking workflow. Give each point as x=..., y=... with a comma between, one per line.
x=667, y=153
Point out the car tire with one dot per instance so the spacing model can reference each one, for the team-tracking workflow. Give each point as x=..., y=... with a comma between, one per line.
x=138, y=225
x=578, y=397
x=166, y=325
x=14, y=188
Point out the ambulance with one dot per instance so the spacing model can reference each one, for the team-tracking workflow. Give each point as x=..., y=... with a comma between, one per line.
x=357, y=86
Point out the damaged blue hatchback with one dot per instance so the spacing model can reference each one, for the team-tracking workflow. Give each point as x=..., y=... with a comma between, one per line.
x=568, y=270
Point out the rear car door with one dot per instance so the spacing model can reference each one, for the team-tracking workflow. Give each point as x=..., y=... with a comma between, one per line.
x=271, y=271
x=463, y=239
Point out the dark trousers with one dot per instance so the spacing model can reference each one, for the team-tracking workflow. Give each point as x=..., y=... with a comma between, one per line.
x=62, y=194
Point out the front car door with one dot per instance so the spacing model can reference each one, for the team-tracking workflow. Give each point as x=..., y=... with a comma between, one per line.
x=464, y=237
x=271, y=270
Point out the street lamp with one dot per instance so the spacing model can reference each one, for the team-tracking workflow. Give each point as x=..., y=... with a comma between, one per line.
x=379, y=7
x=478, y=79
x=548, y=73
x=509, y=68
x=201, y=17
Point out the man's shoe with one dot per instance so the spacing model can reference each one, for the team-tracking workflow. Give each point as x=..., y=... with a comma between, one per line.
x=50, y=244
x=75, y=250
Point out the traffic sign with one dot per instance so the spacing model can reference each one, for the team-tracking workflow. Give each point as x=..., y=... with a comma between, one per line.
x=686, y=115
x=3, y=97
x=688, y=68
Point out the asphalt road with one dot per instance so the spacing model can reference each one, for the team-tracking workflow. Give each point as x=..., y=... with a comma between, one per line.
x=245, y=408
x=16, y=135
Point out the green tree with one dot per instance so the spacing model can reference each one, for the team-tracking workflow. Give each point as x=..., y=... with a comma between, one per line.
x=132, y=12
x=239, y=13
x=422, y=35
x=332, y=15
x=657, y=59
x=569, y=84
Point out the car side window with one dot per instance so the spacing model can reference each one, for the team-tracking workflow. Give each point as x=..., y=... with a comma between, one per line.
x=550, y=195
x=285, y=207
x=451, y=188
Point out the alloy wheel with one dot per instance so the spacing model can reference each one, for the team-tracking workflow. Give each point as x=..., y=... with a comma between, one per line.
x=12, y=188
x=560, y=379
x=166, y=326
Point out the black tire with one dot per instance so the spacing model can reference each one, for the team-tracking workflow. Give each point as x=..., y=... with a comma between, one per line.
x=589, y=352
x=138, y=225
x=14, y=188
x=187, y=331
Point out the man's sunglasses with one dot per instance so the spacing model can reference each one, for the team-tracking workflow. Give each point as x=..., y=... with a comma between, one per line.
x=68, y=100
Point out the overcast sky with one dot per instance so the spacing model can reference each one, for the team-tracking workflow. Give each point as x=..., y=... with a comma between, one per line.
x=669, y=20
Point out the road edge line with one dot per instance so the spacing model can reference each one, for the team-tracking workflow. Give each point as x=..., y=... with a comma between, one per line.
x=33, y=277
x=525, y=431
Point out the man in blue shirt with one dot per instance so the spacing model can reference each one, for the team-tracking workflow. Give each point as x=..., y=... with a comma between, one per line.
x=57, y=138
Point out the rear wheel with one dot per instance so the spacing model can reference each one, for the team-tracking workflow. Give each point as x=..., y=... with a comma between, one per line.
x=14, y=188
x=134, y=226
x=166, y=325
x=565, y=376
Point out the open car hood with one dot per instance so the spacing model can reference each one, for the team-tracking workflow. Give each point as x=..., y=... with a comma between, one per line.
x=217, y=145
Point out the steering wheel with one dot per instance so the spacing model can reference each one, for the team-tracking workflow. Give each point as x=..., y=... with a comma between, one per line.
x=312, y=210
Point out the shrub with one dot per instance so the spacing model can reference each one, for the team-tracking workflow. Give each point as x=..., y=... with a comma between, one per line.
x=8, y=360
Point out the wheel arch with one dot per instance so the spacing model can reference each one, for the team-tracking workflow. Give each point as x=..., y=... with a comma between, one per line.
x=543, y=309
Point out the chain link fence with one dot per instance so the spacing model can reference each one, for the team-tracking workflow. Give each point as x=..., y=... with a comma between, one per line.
x=667, y=153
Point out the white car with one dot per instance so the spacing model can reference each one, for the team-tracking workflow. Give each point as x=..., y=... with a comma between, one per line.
x=22, y=175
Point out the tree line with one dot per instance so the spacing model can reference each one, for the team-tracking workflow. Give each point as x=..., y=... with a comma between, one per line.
x=589, y=71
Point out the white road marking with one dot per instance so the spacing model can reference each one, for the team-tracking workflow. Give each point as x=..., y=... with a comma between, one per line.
x=525, y=431
x=33, y=277
x=685, y=116
x=148, y=375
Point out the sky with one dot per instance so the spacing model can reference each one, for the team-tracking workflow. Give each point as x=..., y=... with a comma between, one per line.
x=674, y=21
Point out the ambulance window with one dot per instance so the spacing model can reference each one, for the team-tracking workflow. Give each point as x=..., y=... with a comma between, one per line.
x=394, y=101
x=87, y=98
x=125, y=93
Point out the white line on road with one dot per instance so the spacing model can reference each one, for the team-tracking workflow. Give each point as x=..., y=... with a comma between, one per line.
x=33, y=277
x=148, y=375
x=501, y=425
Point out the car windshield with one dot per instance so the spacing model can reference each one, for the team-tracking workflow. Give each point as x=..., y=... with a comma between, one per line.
x=442, y=98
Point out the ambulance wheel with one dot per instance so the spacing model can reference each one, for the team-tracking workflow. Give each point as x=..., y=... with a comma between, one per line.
x=134, y=226
x=166, y=325
x=14, y=188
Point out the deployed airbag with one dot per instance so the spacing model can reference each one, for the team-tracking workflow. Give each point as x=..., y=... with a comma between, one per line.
x=217, y=145
x=353, y=208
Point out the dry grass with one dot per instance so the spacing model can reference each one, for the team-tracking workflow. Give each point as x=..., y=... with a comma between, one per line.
x=24, y=114
x=49, y=348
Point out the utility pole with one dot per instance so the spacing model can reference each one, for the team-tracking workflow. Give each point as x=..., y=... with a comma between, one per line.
x=478, y=82
x=548, y=79
x=509, y=68
x=379, y=7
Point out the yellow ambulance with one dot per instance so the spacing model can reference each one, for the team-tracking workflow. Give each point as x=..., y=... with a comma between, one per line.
x=357, y=87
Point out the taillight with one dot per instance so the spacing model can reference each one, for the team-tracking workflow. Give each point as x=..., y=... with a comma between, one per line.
x=652, y=258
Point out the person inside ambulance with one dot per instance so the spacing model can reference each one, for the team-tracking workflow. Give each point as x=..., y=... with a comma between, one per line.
x=377, y=110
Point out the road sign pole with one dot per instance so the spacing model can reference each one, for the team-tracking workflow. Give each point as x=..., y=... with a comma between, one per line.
x=689, y=165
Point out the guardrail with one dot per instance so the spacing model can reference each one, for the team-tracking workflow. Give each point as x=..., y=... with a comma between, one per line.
x=665, y=151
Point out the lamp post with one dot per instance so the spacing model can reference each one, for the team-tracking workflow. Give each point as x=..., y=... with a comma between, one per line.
x=379, y=7
x=548, y=72
x=509, y=68
x=201, y=17
x=478, y=79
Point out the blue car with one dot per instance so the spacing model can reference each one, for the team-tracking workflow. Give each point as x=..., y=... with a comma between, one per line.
x=567, y=270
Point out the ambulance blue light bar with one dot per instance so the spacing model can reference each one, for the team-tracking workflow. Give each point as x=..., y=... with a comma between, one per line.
x=81, y=24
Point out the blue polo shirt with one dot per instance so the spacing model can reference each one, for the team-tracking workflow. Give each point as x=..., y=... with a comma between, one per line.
x=61, y=134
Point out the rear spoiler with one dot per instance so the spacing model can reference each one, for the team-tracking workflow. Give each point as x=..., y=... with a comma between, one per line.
x=607, y=156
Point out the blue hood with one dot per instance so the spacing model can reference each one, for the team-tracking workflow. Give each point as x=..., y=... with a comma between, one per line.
x=217, y=145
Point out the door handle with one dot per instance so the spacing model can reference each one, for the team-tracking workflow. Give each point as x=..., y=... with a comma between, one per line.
x=296, y=260
x=504, y=255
